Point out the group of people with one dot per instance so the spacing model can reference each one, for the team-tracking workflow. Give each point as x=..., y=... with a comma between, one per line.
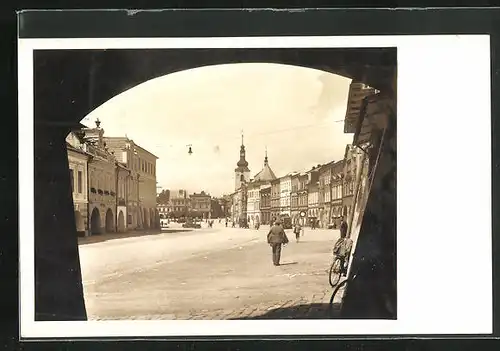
x=277, y=237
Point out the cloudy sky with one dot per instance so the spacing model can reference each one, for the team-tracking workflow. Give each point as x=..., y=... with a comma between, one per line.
x=294, y=111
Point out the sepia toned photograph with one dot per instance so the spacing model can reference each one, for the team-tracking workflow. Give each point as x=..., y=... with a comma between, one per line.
x=204, y=182
x=248, y=190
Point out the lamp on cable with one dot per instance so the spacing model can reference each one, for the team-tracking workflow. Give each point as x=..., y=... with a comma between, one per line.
x=190, y=150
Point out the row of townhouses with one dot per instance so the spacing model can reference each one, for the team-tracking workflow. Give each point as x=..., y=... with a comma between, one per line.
x=177, y=204
x=113, y=183
x=323, y=195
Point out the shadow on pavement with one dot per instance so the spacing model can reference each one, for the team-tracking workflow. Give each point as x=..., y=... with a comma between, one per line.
x=288, y=263
x=306, y=311
x=113, y=236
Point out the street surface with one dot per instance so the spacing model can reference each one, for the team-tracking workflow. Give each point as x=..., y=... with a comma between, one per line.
x=208, y=273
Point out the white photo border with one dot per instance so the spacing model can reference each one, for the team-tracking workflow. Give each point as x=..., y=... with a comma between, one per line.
x=444, y=235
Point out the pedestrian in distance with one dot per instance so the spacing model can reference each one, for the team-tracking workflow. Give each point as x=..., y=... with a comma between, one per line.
x=297, y=231
x=275, y=238
x=343, y=225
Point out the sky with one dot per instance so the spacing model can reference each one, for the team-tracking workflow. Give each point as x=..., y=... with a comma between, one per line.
x=293, y=111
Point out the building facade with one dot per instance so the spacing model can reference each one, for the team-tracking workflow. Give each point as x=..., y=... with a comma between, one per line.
x=312, y=195
x=348, y=180
x=201, y=205
x=285, y=195
x=78, y=164
x=122, y=193
x=164, y=210
x=139, y=184
x=235, y=206
x=294, y=198
x=265, y=203
x=324, y=194
x=179, y=202
x=262, y=180
x=336, y=191
x=102, y=182
x=253, y=203
x=275, y=199
x=302, y=198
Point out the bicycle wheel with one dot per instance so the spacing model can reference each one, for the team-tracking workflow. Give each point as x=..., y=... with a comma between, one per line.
x=335, y=291
x=335, y=272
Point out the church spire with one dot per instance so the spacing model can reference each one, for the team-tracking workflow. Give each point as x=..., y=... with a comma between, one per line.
x=242, y=163
x=266, y=162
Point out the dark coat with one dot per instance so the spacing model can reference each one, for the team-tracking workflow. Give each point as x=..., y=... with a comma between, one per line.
x=277, y=235
x=343, y=226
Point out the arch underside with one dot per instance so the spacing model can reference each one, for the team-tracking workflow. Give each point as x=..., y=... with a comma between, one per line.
x=103, y=74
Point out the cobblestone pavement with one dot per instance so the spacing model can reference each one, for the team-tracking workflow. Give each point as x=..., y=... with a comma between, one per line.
x=216, y=281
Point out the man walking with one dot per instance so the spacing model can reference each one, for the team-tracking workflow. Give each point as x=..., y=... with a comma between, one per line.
x=277, y=237
x=343, y=225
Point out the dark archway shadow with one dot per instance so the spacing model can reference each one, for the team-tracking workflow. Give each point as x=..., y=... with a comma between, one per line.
x=305, y=311
x=95, y=222
x=110, y=223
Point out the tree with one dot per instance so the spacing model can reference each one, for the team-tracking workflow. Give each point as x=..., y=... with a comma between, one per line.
x=163, y=197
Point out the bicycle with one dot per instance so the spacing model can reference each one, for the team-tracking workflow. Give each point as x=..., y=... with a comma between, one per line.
x=337, y=270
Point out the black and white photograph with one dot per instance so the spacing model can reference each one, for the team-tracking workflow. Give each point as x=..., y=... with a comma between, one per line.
x=232, y=191
x=234, y=180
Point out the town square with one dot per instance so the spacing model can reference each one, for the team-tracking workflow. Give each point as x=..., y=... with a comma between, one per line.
x=149, y=251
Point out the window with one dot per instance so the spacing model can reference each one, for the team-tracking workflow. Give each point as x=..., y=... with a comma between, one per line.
x=72, y=177
x=80, y=190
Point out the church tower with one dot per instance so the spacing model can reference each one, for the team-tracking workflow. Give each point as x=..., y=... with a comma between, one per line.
x=241, y=173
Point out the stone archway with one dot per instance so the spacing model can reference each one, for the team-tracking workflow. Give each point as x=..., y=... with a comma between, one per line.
x=95, y=222
x=121, y=222
x=80, y=223
x=110, y=223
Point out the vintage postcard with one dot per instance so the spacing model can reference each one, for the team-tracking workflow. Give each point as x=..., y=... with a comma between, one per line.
x=250, y=186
